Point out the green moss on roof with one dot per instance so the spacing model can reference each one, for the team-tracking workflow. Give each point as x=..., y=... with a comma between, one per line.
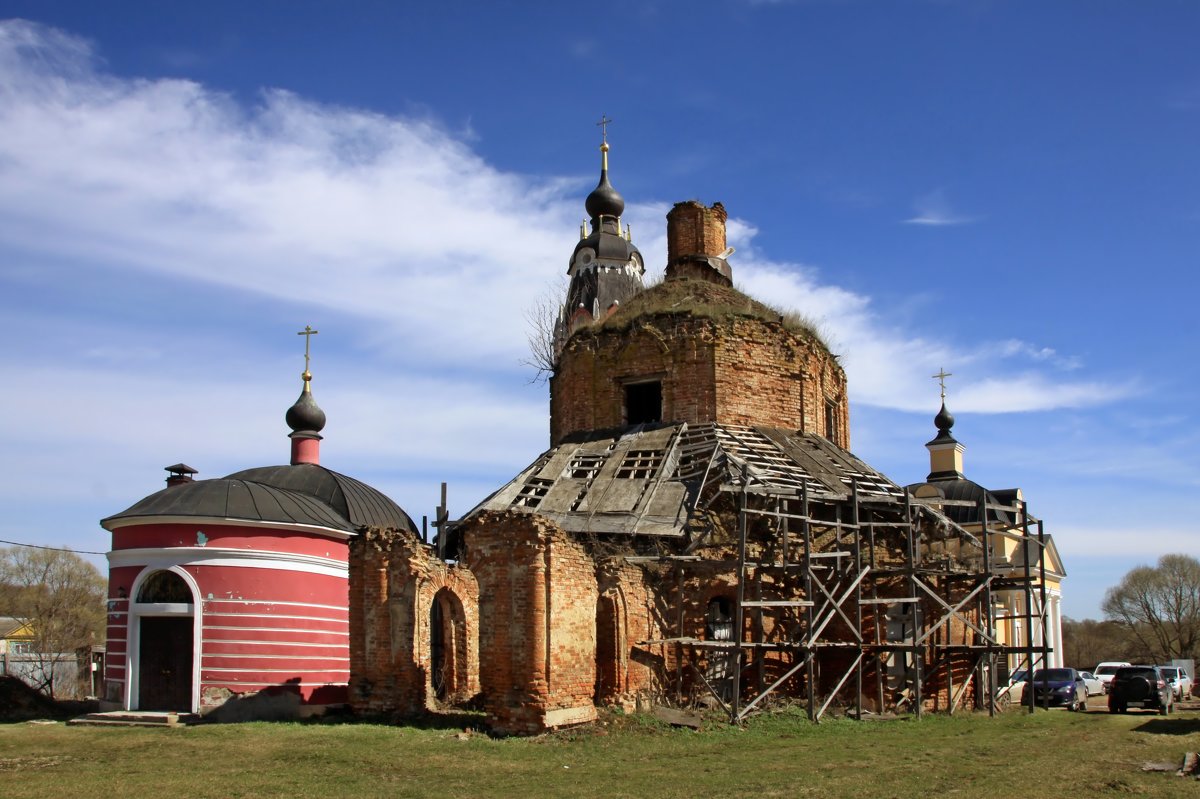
x=702, y=299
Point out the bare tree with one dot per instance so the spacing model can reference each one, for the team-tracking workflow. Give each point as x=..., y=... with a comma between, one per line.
x=1159, y=606
x=545, y=333
x=60, y=597
x=1087, y=642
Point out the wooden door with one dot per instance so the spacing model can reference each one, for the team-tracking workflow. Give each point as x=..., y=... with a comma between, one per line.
x=165, y=663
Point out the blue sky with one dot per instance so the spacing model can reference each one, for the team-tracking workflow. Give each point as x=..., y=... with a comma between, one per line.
x=1009, y=190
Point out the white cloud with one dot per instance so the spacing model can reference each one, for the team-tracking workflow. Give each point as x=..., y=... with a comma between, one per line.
x=891, y=367
x=162, y=200
x=933, y=210
x=391, y=219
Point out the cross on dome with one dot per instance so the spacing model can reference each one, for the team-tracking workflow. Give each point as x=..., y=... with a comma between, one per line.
x=308, y=333
x=941, y=378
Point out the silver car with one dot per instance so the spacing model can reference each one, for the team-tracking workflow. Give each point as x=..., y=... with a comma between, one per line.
x=1181, y=683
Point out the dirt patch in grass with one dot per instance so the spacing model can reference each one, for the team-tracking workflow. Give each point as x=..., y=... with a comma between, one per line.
x=19, y=702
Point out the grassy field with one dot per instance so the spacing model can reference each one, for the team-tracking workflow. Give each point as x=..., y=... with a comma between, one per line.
x=1050, y=754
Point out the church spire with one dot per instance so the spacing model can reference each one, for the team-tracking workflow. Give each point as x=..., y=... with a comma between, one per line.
x=605, y=203
x=305, y=417
x=606, y=268
x=945, y=453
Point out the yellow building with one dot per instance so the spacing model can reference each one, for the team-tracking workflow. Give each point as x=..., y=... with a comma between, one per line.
x=1024, y=561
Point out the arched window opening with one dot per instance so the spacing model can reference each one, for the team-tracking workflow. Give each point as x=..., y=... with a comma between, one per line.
x=608, y=650
x=447, y=648
x=718, y=620
x=164, y=587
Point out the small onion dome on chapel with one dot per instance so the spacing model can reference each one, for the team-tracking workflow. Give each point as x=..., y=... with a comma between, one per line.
x=944, y=421
x=305, y=416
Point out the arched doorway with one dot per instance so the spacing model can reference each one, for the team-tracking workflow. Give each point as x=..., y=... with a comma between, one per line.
x=447, y=647
x=166, y=635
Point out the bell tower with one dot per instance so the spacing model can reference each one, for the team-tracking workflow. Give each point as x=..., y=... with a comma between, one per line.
x=605, y=268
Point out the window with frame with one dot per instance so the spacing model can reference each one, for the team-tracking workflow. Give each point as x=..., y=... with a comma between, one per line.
x=831, y=422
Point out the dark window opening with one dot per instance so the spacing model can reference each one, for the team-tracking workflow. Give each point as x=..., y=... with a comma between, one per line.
x=831, y=421
x=643, y=403
x=447, y=647
x=718, y=620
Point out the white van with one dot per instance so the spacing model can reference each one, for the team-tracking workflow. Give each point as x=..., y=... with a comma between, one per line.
x=1104, y=672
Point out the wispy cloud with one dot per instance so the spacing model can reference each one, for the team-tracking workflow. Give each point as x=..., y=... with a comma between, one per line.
x=889, y=366
x=933, y=209
x=129, y=208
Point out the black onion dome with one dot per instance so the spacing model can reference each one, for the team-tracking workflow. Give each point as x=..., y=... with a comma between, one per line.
x=604, y=199
x=944, y=421
x=358, y=502
x=305, y=415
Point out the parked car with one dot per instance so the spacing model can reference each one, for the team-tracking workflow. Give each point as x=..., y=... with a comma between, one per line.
x=1140, y=686
x=1014, y=686
x=1104, y=671
x=1179, y=680
x=1094, y=685
x=1058, y=688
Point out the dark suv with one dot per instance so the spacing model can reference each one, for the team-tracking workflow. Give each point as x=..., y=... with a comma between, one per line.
x=1140, y=686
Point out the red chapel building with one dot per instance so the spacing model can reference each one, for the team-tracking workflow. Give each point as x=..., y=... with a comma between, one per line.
x=228, y=596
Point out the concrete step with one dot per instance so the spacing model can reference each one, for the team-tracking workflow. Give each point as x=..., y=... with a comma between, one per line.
x=134, y=718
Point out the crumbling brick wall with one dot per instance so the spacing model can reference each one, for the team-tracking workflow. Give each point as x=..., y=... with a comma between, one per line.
x=628, y=613
x=538, y=598
x=733, y=370
x=394, y=580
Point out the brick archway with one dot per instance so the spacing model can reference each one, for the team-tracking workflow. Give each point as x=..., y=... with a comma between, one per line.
x=610, y=647
x=448, y=648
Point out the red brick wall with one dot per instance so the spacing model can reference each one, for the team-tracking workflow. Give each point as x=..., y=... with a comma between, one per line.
x=394, y=580
x=629, y=611
x=538, y=611
x=735, y=370
x=693, y=229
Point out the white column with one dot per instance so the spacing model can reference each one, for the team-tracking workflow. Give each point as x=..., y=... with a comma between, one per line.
x=1056, y=621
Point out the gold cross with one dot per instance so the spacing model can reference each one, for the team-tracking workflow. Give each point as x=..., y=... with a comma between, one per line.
x=308, y=333
x=941, y=378
x=603, y=125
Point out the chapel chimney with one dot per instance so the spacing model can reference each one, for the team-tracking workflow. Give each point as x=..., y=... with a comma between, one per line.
x=696, y=243
x=179, y=474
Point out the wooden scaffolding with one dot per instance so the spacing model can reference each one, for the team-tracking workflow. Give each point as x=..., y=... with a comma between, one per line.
x=862, y=599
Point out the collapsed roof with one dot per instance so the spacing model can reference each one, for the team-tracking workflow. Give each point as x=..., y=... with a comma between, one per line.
x=649, y=480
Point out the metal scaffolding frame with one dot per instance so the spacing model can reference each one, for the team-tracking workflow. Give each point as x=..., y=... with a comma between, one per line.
x=852, y=594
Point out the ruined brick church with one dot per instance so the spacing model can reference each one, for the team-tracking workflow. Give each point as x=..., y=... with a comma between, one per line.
x=698, y=531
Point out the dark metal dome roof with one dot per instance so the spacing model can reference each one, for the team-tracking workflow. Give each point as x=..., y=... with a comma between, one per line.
x=305, y=494
x=228, y=498
x=607, y=245
x=960, y=488
x=359, y=503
